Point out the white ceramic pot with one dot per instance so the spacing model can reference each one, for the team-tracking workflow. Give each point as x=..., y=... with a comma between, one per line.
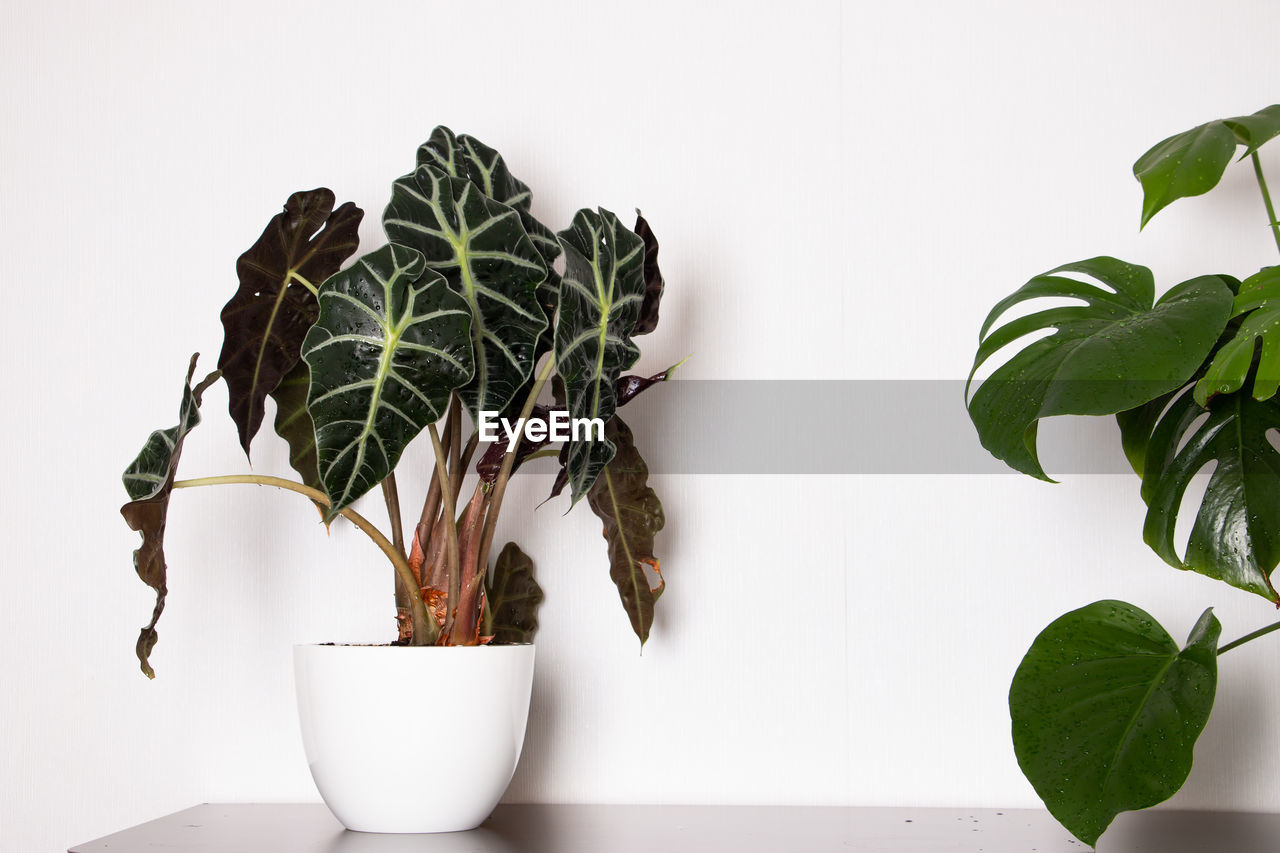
x=412, y=739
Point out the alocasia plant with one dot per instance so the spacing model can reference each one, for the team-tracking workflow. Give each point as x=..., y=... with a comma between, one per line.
x=1106, y=708
x=462, y=310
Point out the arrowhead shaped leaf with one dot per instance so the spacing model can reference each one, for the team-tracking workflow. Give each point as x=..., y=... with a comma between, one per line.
x=600, y=298
x=468, y=158
x=1258, y=303
x=481, y=248
x=149, y=481
x=1113, y=353
x=269, y=315
x=1234, y=537
x=632, y=515
x=1106, y=712
x=1192, y=162
x=294, y=424
x=513, y=597
x=391, y=343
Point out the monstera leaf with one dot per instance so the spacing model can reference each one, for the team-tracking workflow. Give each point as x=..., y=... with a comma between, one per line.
x=391, y=343
x=1192, y=162
x=1234, y=537
x=468, y=158
x=1106, y=712
x=632, y=515
x=600, y=297
x=481, y=248
x=1115, y=352
x=1258, y=305
x=294, y=424
x=149, y=481
x=512, y=599
x=269, y=315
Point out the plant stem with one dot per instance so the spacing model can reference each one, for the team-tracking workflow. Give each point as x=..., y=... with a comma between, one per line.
x=500, y=484
x=451, y=530
x=431, y=506
x=392, y=496
x=1266, y=197
x=1261, y=632
x=423, y=625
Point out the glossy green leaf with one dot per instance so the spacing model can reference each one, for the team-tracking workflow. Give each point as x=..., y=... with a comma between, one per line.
x=600, y=297
x=1106, y=712
x=391, y=343
x=267, y=318
x=1115, y=352
x=632, y=516
x=1192, y=162
x=512, y=599
x=479, y=245
x=466, y=157
x=294, y=424
x=1258, y=305
x=149, y=481
x=1234, y=537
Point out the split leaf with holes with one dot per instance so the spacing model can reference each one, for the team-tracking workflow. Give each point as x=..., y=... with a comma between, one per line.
x=1254, y=345
x=600, y=297
x=1106, y=711
x=480, y=247
x=1117, y=351
x=149, y=481
x=267, y=318
x=632, y=516
x=391, y=343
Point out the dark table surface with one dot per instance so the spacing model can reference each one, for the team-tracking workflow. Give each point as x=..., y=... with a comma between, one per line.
x=309, y=828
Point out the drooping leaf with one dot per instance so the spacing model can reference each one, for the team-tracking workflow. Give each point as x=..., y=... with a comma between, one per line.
x=600, y=298
x=1114, y=353
x=1258, y=305
x=632, y=516
x=148, y=481
x=1234, y=537
x=512, y=597
x=653, y=283
x=294, y=424
x=269, y=315
x=1106, y=712
x=391, y=343
x=1192, y=162
x=480, y=247
x=464, y=156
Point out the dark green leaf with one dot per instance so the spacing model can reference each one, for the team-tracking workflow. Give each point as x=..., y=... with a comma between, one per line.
x=468, y=158
x=391, y=343
x=512, y=599
x=1258, y=304
x=1235, y=537
x=600, y=298
x=632, y=515
x=294, y=424
x=653, y=283
x=1106, y=712
x=1116, y=352
x=269, y=315
x=481, y=248
x=149, y=481
x=1192, y=162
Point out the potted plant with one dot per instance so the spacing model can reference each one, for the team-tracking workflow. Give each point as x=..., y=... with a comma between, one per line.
x=461, y=311
x=1106, y=707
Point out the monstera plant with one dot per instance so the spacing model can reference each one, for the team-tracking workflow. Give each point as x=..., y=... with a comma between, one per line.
x=1106, y=706
x=462, y=311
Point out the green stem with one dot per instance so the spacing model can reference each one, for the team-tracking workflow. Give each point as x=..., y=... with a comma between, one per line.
x=500, y=484
x=422, y=624
x=450, y=530
x=1266, y=197
x=1261, y=632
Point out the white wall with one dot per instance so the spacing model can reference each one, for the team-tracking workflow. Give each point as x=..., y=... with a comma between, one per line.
x=841, y=191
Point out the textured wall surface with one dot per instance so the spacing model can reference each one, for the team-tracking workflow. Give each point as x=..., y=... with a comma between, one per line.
x=841, y=191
